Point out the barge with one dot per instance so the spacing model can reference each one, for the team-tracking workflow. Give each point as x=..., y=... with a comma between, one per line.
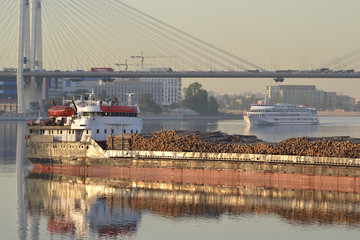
x=45, y=152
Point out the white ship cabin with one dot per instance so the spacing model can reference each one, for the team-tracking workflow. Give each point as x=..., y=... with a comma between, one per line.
x=261, y=107
x=279, y=107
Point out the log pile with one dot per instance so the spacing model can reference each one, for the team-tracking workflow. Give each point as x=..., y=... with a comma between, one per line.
x=119, y=142
x=217, y=142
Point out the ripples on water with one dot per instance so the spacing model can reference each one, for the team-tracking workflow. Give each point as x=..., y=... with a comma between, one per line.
x=59, y=206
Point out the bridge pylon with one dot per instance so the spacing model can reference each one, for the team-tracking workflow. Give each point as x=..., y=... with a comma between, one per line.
x=29, y=90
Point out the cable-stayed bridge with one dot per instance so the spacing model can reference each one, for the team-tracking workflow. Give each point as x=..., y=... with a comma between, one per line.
x=51, y=38
x=278, y=76
x=88, y=33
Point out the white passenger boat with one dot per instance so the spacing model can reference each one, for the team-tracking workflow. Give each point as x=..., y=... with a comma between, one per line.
x=281, y=113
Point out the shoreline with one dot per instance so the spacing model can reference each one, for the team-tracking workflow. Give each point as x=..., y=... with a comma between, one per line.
x=338, y=114
x=14, y=117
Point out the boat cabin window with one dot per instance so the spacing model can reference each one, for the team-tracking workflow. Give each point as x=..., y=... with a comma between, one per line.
x=124, y=130
x=109, y=114
x=87, y=131
x=97, y=131
x=105, y=131
x=118, y=114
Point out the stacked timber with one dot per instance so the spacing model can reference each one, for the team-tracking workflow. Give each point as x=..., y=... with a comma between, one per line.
x=217, y=142
x=119, y=142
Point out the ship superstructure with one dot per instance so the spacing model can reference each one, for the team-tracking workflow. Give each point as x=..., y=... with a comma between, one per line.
x=80, y=120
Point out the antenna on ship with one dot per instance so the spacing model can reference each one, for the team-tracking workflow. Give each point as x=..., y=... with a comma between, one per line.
x=129, y=98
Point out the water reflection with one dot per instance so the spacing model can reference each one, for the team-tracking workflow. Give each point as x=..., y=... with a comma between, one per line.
x=267, y=133
x=201, y=125
x=8, y=131
x=76, y=206
x=88, y=206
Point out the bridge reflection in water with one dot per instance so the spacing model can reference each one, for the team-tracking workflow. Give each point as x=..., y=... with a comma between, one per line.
x=101, y=205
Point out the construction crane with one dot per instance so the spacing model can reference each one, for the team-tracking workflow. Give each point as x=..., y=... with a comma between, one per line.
x=142, y=57
x=126, y=65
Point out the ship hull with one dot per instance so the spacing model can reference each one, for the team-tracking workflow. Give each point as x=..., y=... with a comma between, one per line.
x=272, y=122
x=70, y=156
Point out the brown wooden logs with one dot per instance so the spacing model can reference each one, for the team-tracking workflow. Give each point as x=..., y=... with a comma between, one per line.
x=217, y=142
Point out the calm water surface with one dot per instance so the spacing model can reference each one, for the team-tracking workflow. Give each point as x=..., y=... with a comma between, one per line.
x=56, y=206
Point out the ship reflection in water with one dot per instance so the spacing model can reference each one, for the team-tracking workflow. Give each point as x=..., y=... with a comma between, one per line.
x=93, y=206
x=79, y=207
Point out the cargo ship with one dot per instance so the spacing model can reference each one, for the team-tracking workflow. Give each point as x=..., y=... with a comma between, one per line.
x=86, y=156
x=281, y=114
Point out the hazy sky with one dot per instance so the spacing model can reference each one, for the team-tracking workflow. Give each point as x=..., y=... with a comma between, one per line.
x=268, y=32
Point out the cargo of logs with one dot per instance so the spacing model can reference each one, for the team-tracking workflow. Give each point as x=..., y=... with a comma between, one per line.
x=217, y=142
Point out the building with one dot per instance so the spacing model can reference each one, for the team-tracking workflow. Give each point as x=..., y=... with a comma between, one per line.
x=55, y=87
x=345, y=102
x=309, y=95
x=330, y=100
x=120, y=89
x=171, y=87
x=296, y=94
x=116, y=89
x=8, y=94
x=165, y=91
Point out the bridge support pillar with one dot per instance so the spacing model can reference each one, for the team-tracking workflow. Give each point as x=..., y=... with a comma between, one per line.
x=29, y=54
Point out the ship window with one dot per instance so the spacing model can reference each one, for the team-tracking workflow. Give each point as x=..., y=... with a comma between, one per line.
x=97, y=131
x=136, y=131
x=69, y=131
x=131, y=131
x=124, y=130
x=60, y=131
x=87, y=131
x=105, y=130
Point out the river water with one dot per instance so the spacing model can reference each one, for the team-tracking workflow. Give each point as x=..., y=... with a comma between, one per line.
x=55, y=206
